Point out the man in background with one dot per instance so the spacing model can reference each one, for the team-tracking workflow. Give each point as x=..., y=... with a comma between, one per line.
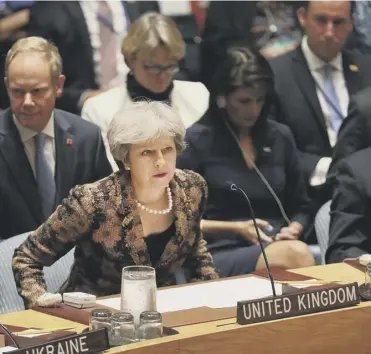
x=314, y=83
x=44, y=152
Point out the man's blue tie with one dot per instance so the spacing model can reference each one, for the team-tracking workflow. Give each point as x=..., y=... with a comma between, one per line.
x=44, y=177
x=332, y=98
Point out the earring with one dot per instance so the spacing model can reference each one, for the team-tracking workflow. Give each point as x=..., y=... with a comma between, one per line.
x=127, y=168
x=221, y=102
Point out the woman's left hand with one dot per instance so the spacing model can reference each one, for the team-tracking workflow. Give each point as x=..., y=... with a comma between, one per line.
x=291, y=232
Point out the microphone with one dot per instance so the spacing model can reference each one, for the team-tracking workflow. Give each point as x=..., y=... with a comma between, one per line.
x=234, y=187
x=7, y=332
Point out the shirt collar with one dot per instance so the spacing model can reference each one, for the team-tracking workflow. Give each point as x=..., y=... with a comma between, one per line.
x=315, y=63
x=27, y=134
x=89, y=5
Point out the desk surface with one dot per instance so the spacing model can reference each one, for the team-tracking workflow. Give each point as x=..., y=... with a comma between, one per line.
x=338, y=331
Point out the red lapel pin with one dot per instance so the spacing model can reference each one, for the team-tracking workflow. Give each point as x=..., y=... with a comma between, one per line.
x=69, y=141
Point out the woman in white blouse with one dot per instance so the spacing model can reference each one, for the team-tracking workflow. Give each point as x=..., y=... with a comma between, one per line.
x=152, y=49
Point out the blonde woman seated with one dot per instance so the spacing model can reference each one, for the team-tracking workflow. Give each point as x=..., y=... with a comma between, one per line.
x=148, y=213
x=152, y=49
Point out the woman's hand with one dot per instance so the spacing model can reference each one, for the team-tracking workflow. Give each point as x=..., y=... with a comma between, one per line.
x=291, y=232
x=247, y=231
x=49, y=300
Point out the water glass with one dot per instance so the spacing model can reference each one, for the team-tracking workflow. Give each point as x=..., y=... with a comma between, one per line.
x=100, y=318
x=138, y=290
x=150, y=325
x=122, y=329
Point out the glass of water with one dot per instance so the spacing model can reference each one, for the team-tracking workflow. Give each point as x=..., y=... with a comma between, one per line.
x=122, y=329
x=150, y=325
x=138, y=290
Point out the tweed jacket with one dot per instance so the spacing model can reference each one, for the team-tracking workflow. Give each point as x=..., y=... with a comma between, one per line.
x=102, y=222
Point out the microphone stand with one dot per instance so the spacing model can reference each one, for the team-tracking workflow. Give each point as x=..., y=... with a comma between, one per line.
x=234, y=187
x=7, y=332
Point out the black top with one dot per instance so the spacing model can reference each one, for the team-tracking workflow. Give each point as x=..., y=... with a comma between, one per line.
x=137, y=92
x=156, y=243
x=213, y=152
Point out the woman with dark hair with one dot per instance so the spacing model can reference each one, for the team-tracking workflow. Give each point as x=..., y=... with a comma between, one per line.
x=237, y=142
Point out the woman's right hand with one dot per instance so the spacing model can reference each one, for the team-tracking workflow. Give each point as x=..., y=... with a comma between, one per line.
x=247, y=231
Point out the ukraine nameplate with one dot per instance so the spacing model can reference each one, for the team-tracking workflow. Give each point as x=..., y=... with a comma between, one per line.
x=88, y=342
x=296, y=304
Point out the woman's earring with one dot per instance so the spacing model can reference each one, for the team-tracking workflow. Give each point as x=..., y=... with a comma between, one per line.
x=221, y=102
x=127, y=168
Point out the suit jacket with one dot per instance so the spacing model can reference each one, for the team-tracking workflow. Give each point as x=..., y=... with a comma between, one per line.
x=102, y=221
x=82, y=162
x=189, y=99
x=350, y=229
x=355, y=133
x=299, y=107
x=63, y=23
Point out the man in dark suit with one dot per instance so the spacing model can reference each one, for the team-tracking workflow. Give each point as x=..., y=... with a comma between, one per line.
x=314, y=84
x=350, y=228
x=75, y=28
x=355, y=133
x=44, y=152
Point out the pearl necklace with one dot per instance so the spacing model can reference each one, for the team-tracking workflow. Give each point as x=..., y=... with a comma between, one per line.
x=164, y=211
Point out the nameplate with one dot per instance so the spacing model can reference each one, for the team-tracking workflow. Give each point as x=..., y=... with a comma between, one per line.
x=87, y=342
x=297, y=304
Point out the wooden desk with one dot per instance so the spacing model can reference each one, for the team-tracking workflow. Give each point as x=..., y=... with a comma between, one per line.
x=341, y=331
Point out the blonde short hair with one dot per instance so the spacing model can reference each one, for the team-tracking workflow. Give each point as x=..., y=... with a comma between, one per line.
x=144, y=121
x=150, y=31
x=36, y=45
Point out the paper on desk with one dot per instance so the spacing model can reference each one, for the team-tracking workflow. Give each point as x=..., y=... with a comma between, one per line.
x=339, y=272
x=219, y=294
x=228, y=292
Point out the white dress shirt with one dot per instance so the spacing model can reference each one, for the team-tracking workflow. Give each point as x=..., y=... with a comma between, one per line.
x=316, y=67
x=27, y=138
x=120, y=25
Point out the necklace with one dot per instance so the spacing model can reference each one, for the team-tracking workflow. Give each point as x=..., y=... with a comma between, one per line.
x=164, y=211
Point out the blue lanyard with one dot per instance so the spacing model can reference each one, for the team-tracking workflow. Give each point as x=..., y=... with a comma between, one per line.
x=328, y=99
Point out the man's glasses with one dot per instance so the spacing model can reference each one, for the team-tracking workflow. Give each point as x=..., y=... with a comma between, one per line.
x=158, y=69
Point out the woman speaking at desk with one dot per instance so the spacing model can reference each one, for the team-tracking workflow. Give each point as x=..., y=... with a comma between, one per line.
x=236, y=142
x=147, y=213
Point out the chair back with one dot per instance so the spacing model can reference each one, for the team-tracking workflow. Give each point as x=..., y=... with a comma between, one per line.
x=54, y=275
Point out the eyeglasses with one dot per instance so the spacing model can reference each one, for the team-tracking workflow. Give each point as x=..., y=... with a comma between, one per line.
x=158, y=69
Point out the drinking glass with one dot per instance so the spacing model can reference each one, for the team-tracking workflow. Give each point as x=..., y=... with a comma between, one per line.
x=150, y=325
x=138, y=290
x=100, y=318
x=122, y=329
x=367, y=287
